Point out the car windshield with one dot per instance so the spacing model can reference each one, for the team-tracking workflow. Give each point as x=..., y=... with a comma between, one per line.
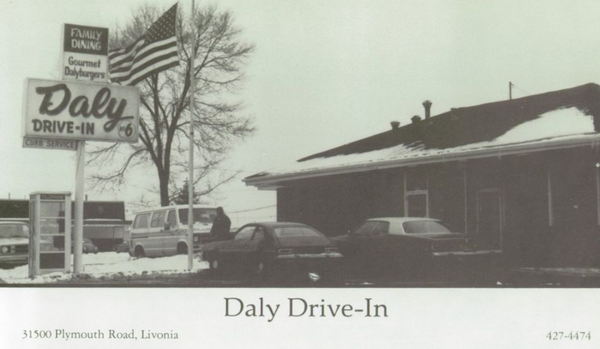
x=14, y=231
x=295, y=232
x=424, y=227
x=202, y=215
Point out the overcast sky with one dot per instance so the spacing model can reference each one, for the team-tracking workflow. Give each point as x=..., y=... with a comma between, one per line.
x=324, y=72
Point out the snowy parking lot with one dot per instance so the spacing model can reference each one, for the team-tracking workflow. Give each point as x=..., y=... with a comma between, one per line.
x=109, y=265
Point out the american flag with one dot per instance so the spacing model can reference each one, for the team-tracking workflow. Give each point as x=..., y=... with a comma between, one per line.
x=154, y=52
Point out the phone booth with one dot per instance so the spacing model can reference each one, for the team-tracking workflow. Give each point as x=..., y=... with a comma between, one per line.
x=50, y=233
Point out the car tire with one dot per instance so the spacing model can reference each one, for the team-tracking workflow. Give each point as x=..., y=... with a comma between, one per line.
x=181, y=248
x=262, y=270
x=213, y=264
x=139, y=252
x=215, y=267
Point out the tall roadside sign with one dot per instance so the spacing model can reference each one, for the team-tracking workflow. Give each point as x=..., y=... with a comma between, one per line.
x=83, y=106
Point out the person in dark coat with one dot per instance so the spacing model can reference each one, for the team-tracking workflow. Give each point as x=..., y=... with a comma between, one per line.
x=221, y=225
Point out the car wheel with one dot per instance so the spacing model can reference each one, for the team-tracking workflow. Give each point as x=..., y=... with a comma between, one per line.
x=139, y=252
x=213, y=264
x=181, y=248
x=262, y=270
x=216, y=267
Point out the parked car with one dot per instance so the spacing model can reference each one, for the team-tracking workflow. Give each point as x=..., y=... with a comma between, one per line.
x=266, y=249
x=122, y=247
x=412, y=244
x=163, y=231
x=14, y=243
x=89, y=247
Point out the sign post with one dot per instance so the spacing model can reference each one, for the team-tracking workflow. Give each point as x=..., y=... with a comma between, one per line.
x=79, y=198
x=85, y=51
x=190, y=234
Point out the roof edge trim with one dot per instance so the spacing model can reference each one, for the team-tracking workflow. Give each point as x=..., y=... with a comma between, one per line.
x=270, y=182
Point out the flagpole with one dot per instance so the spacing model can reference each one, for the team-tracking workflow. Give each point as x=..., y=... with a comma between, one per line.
x=190, y=242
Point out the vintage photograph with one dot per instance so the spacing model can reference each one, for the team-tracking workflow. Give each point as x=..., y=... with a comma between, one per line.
x=300, y=144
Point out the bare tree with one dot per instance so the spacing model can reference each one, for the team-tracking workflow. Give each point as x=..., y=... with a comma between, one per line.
x=165, y=100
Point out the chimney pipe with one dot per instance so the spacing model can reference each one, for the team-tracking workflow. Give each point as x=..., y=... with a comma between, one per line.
x=427, y=105
x=395, y=125
x=415, y=119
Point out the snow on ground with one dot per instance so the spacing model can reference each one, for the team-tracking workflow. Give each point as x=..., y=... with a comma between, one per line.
x=109, y=264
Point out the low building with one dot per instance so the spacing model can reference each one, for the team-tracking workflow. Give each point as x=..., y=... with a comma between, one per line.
x=103, y=221
x=520, y=174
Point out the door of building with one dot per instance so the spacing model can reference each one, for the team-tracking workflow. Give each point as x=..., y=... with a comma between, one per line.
x=489, y=218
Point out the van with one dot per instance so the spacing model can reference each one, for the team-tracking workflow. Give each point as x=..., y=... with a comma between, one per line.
x=163, y=231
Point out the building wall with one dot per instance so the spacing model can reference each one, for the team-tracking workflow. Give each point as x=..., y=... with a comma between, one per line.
x=546, y=203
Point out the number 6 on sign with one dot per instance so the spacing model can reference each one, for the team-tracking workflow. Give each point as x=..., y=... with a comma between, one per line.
x=125, y=131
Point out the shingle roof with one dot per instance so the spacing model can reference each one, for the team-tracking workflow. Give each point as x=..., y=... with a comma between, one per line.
x=553, y=119
x=479, y=123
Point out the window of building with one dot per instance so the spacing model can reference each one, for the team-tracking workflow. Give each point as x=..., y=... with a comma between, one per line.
x=416, y=194
x=417, y=203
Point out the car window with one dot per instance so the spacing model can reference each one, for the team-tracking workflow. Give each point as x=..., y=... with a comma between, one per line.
x=294, y=232
x=245, y=233
x=201, y=215
x=141, y=221
x=371, y=228
x=14, y=231
x=158, y=219
x=172, y=219
x=424, y=227
x=364, y=229
x=259, y=234
x=380, y=227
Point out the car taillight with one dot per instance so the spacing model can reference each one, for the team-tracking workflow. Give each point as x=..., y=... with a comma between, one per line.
x=285, y=251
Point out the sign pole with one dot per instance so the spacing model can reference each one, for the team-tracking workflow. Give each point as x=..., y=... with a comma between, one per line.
x=190, y=242
x=79, y=195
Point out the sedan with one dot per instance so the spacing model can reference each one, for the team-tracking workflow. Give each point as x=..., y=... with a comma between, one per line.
x=410, y=244
x=264, y=249
x=14, y=243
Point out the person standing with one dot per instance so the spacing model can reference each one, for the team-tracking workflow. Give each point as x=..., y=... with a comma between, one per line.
x=221, y=225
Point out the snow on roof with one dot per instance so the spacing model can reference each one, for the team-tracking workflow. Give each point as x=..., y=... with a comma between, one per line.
x=556, y=123
x=562, y=124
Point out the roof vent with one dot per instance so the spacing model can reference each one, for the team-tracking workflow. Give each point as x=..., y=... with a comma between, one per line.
x=427, y=105
x=415, y=119
x=395, y=125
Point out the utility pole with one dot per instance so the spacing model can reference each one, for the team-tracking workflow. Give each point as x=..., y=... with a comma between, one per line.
x=190, y=236
x=510, y=86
